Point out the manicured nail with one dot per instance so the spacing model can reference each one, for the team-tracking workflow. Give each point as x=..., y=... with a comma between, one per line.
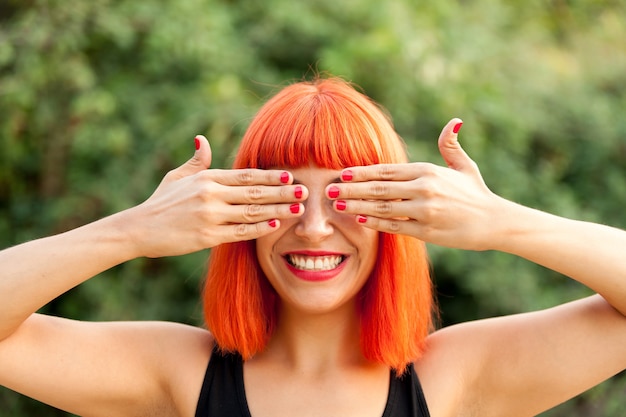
x=361, y=219
x=294, y=208
x=457, y=127
x=333, y=192
x=197, y=143
x=284, y=177
x=341, y=205
x=272, y=223
x=298, y=192
x=346, y=175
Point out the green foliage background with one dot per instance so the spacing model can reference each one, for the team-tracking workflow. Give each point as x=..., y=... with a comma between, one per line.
x=99, y=98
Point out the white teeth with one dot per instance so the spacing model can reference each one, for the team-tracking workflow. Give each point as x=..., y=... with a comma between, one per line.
x=315, y=263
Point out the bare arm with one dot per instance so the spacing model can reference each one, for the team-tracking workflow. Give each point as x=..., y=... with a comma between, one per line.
x=36, y=272
x=590, y=253
x=192, y=209
x=453, y=207
x=130, y=367
x=517, y=365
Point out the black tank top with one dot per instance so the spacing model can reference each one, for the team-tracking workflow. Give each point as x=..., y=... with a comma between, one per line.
x=223, y=393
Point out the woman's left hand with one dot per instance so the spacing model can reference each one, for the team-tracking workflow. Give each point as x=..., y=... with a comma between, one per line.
x=447, y=206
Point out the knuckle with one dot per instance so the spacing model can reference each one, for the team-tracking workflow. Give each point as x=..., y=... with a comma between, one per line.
x=205, y=193
x=393, y=226
x=379, y=190
x=386, y=172
x=254, y=193
x=383, y=207
x=245, y=177
x=428, y=214
x=252, y=211
x=429, y=169
x=240, y=231
x=428, y=189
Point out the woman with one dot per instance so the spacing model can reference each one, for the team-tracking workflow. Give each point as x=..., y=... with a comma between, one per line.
x=318, y=300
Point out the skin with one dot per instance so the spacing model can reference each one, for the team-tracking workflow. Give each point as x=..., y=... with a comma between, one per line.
x=515, y=366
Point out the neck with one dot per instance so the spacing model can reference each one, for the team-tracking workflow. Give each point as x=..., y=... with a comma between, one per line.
x=317, y=341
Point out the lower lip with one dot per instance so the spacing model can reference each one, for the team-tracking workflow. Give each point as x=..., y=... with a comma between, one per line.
x=316, y=276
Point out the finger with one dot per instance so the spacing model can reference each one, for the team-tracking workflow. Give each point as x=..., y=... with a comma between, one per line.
x=200, y=161
x=247, y=231
x=450, y=149
x=222, y=214
x=263, y=194
x=254, y=213
x=251, y=176
x=385, y=172
x=383, y=209
x=395, y=226
x=372, y=190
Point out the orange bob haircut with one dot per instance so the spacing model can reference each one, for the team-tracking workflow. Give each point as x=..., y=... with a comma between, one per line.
x=328, y=123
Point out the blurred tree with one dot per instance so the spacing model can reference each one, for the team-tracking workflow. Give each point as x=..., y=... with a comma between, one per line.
x=99, y=99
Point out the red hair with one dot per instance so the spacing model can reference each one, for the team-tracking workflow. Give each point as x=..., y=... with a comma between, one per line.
x=326, y=122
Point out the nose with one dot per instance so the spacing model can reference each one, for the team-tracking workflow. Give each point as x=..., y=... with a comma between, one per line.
x=315, y=224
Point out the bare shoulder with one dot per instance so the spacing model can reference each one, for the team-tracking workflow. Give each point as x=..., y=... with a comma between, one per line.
x=119, y=368
x=522, y=364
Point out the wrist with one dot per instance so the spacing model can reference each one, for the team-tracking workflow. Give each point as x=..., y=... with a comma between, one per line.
x=125, y=232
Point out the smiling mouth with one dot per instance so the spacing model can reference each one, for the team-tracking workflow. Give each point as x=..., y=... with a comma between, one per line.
x=315, y=263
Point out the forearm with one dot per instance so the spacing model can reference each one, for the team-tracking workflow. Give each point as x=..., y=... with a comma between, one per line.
x=36, y=272
x=592, y=254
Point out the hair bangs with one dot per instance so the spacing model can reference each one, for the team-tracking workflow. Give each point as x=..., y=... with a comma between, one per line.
x=321, y=123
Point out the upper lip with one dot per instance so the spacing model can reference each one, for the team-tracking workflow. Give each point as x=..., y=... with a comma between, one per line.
x=314, y=253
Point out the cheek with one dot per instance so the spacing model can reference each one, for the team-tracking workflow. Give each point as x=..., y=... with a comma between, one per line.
x=366, y=242
x=264, y=252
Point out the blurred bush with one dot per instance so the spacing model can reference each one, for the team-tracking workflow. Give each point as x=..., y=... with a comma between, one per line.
x=99, y=99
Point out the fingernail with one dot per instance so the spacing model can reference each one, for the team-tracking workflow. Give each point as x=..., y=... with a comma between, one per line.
x=333, y=192
x=457, y=127
x=284, y=177
x=298, y=192
x=272, y=223
x=294, y=208
x=197, y=143
x=341, y=205
x=346, y=175
x=361, y=219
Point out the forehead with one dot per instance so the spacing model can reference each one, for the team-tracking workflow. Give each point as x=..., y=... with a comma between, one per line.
x=315, y=175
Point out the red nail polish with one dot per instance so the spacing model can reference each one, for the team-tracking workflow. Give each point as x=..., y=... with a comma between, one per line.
x=284, y=177
x=272, y=223
x=341, y=205
x=346, y=175
x=298, y=192
x=294, y=208
x=333, y=192
x=197, y=143
x=361, y=219
x=457, y=127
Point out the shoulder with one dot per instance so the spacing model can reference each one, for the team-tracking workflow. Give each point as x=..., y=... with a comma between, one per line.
x=524, y=363
x=182, y=354
x=122, y=367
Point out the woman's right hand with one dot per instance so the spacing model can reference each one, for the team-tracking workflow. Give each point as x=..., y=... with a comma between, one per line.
x=195, y=208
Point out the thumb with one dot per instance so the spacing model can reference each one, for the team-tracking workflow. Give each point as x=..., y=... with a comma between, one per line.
x=200, y=161
x=451, y=150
